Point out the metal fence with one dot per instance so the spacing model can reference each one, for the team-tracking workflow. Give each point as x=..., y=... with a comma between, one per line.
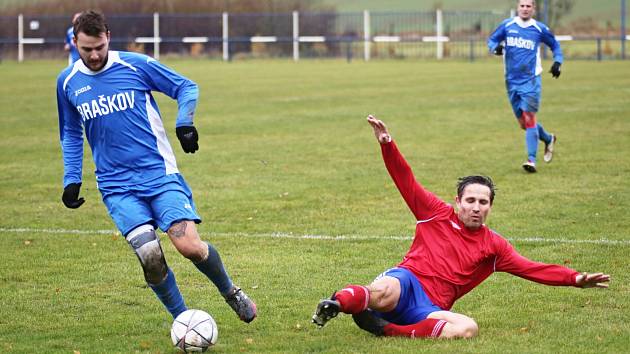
x=428, y=35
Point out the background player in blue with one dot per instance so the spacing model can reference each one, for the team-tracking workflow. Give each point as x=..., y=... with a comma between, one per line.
x=520, y=39
x=69, y=46
x=107, y=94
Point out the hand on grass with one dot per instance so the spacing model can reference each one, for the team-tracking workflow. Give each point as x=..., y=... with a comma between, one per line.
x=592, y=280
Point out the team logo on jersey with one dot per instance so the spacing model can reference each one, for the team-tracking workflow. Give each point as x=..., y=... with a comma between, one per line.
x=513, y=31
x=81, y=90
x=520, y=42
x=105, y=105
x=455, y=225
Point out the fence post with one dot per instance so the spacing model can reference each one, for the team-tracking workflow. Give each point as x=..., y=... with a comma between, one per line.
x=20, y=38
x=226, y=41
x=156, y=36
x=472, y=50
x=366, y=35
x=599, y=49
x=296, y=36
x=623, y=29
x=439, y=34
x=546, y=21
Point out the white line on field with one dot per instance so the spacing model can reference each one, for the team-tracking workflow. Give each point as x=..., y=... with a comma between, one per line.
x=601, y=241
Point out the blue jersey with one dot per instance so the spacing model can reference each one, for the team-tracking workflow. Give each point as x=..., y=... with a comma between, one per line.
x=121, y=120
x=74, y=52
x=522, y=41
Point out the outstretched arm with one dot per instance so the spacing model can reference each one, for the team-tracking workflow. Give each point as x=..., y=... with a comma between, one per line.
x=380, y=130
x=592, y=280
x=509, y=260
x=423, y=204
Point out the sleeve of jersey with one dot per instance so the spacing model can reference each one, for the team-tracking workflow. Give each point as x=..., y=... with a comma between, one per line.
x=550, y=40
x=70, y=136
x=510, y=261
x=496, y=37
x=176, y=86
x=423, y=204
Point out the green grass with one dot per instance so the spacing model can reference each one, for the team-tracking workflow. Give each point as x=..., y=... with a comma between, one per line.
x=285, y=150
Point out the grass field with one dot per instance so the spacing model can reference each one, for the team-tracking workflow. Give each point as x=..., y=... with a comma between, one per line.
x=286, y=153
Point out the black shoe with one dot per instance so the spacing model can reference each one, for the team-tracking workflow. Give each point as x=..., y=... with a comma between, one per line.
x=244, y=307
x=529, y=166
x=367, y=321
x=326, y=310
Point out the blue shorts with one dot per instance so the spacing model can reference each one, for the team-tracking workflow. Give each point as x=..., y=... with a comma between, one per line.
x=525, y=97
x=160, y=203
x=414, y=304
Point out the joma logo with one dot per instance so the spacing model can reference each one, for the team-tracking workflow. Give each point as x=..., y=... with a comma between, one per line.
x=81, y=90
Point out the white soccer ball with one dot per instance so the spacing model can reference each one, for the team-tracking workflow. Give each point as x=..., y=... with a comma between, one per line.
x=194, y=331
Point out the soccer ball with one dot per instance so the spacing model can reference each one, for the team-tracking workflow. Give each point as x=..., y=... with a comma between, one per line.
x=194, y=331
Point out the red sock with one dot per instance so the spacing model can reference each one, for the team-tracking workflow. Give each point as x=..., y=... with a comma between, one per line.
x=428, y=328
x=353, y=298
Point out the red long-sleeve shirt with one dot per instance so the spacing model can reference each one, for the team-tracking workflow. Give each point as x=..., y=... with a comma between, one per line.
x=450, y=260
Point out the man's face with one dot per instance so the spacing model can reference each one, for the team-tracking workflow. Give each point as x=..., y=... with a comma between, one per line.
x=474, y=205
x=526, y=9
x=93, y=50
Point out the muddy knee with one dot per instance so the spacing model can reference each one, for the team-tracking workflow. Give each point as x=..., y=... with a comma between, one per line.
x=146, y=245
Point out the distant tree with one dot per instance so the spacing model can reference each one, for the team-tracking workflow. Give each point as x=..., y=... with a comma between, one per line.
x=127, y=7
x=556, y=11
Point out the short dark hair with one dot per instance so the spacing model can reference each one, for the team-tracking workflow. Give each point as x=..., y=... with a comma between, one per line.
x=483, y=180
x=91, y=23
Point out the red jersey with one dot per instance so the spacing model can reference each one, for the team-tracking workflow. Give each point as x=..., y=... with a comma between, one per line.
x=450, y=260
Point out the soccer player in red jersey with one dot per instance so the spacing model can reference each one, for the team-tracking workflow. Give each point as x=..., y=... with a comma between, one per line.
x=453, y=251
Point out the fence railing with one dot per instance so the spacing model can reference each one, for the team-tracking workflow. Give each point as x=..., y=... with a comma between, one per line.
x=431, y=34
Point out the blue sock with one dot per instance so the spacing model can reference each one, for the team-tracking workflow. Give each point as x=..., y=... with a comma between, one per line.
x=168, y=292
x=212, y=267
x=542, y=134
x=531, y=140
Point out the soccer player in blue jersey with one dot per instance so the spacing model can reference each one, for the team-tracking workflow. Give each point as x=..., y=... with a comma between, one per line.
x=107, y=94
x=518, y=39
x=69, y=46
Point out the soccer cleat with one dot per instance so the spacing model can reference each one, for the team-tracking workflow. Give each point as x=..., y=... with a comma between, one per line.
x=529, y=166
x=367, y=321
x=244, y=307
x=326, y=310
x=549, y=149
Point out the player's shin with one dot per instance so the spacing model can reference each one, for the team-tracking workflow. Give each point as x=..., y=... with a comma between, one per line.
x=427, y=328
x=531, y=135
x=168, y=293
x=353, y=298
x=543, y=135
x=213, y=268
x=146, y=245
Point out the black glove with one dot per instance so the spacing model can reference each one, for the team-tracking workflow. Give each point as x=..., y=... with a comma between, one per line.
x=555, y=69
x=498, y=50
x=188, y=138
x=70, y=196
